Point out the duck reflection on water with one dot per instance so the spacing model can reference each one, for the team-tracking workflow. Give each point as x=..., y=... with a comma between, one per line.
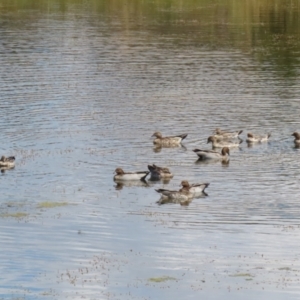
x=158, y=148
x=130, y=183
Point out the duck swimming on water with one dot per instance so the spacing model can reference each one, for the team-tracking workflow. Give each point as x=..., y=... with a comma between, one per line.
x=168, y=140
x=121, y=175
x=221, y=134
x=176, y=196
x=211, y=154
x=256, y=138
x=8, y=162
x=297, y=138
x=216, y=143
x=158, y=173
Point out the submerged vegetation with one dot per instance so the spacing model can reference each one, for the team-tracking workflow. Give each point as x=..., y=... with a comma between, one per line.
x=161, y=279
x=17, y=215
x=242, y=275
x=48, y=204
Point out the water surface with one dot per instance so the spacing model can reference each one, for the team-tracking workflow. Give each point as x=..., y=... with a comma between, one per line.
x=84, y=86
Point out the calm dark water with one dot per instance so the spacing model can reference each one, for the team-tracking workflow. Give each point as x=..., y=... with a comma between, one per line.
x=83, y=87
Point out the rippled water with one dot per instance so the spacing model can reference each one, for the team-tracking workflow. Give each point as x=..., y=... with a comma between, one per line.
x=83, y=90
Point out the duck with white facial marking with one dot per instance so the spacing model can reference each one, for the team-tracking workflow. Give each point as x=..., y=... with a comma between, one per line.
x=221, y=134
x=216, y=143
x=297, y=138
x=158, y=173
x=168, y=140
x=256, y=138
x=7, y=162
x=121, y=175
x=213, y=155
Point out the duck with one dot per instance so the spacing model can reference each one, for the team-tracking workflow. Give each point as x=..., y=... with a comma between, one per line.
x=168, y=140
x=195, y=189
x=168, y=196
x=297, y=138
x=216, y=143
x=221, y=134
x=157, y=173
x=183, y=194
x=124, y=176
x=255, y=138
x=210, y=154
x=8, y=162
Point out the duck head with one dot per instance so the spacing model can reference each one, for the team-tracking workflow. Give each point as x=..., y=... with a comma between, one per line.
x=157, y=134
x=166, y=170
x=211, y=139
x=185, y=184
x=250, y=135
x=225, y=151
x=119, y=171
x=295, y=134
x=218, y=131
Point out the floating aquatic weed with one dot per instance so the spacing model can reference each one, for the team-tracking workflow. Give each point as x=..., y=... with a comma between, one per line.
x=161, y=279
x=16, y=215
x=48, y=204
x=242, y=275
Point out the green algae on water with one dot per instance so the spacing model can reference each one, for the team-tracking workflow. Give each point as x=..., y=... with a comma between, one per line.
x=242, y=275
x=48, y=204
x=161, y=279
x=16, y=215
